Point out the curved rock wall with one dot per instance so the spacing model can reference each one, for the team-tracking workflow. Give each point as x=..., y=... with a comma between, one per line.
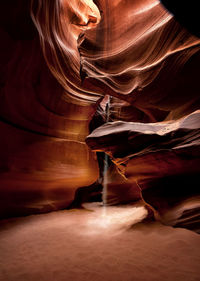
x=58, y=59
x=43, y=155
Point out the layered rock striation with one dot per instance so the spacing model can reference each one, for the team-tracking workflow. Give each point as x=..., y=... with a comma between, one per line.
x=161, y=160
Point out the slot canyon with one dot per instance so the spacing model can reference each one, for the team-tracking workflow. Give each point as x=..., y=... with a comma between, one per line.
x=99, y=140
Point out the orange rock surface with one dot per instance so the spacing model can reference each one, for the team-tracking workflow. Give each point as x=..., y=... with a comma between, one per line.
x=58, y=60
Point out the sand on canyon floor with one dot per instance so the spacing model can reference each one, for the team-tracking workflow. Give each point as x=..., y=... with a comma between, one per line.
x=96, y=244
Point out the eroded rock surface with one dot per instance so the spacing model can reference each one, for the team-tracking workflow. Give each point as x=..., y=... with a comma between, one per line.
x=162, y=159
x=43, y=155
x=58, y=60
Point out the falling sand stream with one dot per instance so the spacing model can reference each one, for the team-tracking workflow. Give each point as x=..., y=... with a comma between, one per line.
x=105, y=169
x=108, y=218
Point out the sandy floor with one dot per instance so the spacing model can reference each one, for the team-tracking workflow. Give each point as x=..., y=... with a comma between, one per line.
x=96, y=245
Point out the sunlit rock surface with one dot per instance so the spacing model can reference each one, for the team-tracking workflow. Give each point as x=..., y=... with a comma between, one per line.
x=43, y=155
x=162, y=159
x=58, y=60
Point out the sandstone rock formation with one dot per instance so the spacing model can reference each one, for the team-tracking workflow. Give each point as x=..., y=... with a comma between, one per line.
x=43, y=155
x=161, y=159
